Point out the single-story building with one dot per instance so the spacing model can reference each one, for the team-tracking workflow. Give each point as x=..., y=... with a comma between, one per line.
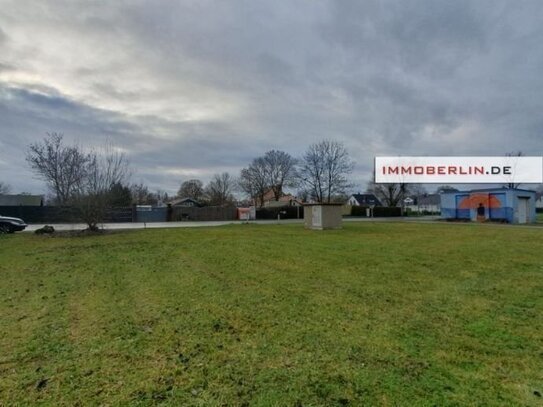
x=364, y=200
x=285, y=200
x=512, y=205
x=409, y=202
x=269, y=200
x=424, y=203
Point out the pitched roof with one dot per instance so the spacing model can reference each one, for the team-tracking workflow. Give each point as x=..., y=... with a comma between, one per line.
x=431, y=199
x=488, y=190
x=367, y=199
x=181, y=201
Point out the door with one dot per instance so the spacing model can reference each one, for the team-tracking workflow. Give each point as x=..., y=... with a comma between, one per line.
x=317, y=216
x=522, y=210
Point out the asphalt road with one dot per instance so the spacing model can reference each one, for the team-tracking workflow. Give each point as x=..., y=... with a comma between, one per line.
x=156, y=225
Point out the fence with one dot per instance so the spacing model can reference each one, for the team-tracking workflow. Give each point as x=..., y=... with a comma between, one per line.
x=154, y=214
x=285, y=212
x=377, y=211
x=60, y=214
x=67, y=214
x=206, y=213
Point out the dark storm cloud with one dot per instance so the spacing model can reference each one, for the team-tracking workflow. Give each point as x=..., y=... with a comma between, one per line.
x=189, y=89
x=159, y=160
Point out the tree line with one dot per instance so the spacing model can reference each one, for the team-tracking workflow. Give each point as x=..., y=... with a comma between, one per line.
x=71, y=172
x=320, y=175
x=99, y=179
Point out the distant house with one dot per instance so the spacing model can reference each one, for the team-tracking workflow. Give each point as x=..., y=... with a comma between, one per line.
x=423, y=203
x=21, y=200
x=364, y=200
x=284, y=200
x=429, y=203
x=185, y=202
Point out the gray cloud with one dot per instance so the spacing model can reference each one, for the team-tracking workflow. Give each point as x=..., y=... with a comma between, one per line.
x=193, y=88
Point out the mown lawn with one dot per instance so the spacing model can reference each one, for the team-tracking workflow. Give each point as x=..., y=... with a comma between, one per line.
x=374, y=314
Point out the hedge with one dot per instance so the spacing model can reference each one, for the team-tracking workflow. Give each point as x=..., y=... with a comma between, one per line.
x=378, y=211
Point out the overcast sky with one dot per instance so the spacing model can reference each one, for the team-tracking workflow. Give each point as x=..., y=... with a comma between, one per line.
x=192, y=88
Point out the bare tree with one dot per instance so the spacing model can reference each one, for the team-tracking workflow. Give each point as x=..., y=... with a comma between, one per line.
x=274, y=171
x=390, y=194
x=141, y=195
x=393, y=193
x=62, y=167
x=512, y=185
x=304, y=195
x=219, y=189
x=193, y=188
x=83, y=179
x=445, y=188
x=103, y=170
x=280, y=171
x=4, y=188
x=324, y=169
x=120, y=196
x=161, y=197
x=254, y=180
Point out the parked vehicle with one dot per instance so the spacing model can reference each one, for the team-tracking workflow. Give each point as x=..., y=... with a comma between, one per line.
x=10, y=225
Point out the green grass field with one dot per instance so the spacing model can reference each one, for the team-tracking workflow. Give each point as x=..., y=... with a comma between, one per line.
x=374, y=314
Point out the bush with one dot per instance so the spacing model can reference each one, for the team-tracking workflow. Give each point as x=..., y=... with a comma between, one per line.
x=384, y=211
x=46, y=230
x=358, y=210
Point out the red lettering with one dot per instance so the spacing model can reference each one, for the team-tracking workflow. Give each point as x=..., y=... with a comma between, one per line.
x=393, y=170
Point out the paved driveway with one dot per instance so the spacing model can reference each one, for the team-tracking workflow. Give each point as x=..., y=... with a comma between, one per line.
x=153, y=225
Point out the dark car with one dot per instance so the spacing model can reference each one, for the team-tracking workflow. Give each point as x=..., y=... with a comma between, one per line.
x=10, y=225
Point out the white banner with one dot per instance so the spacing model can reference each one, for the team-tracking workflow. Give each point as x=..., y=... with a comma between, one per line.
x=460, y=170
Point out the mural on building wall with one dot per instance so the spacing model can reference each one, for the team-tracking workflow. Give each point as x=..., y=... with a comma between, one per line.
x=487, y=200
x=491, y=206
x=500, y=204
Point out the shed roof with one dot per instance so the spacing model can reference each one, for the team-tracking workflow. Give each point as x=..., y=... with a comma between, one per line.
x=501, y=189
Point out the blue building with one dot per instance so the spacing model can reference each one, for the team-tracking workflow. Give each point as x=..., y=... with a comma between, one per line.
x=510, y=205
